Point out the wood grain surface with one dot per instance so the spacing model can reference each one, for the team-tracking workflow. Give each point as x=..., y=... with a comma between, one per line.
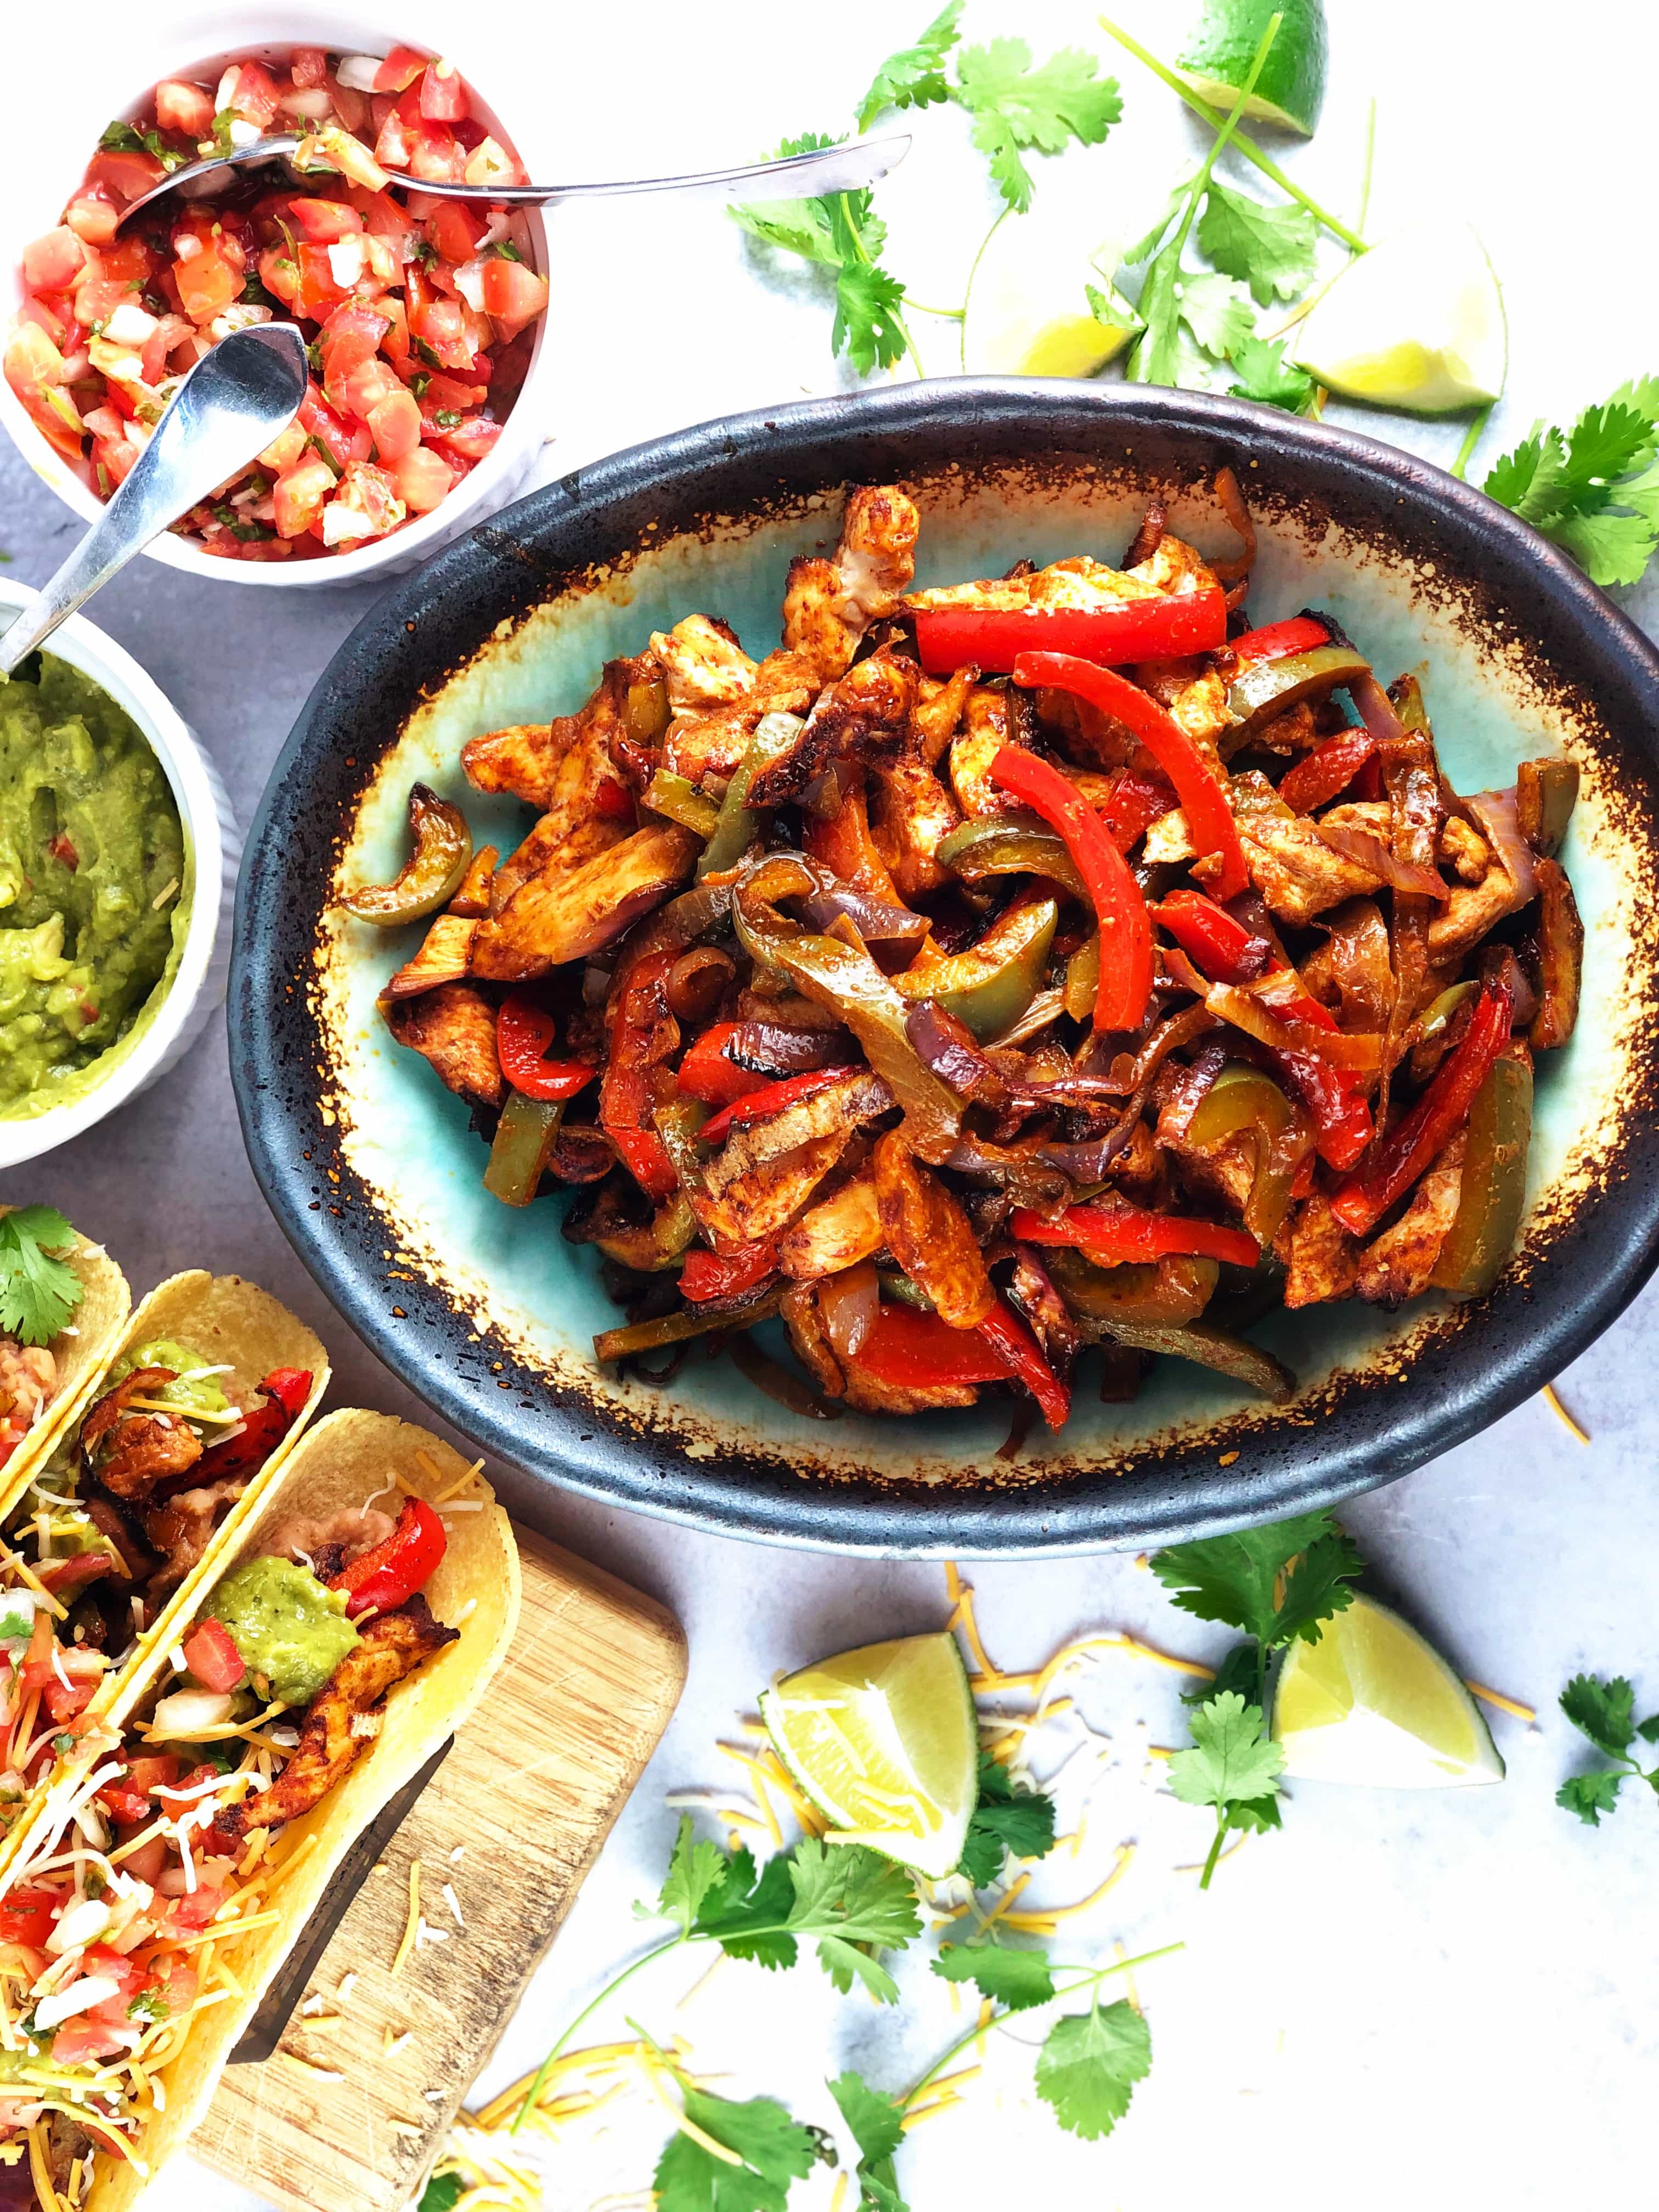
x=526, y=1796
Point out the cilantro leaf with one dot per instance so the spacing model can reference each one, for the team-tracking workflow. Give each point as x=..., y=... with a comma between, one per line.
x=846, y=1896
x=869, y=325
x=1016, y=106
x=1604, y=1711
x=38, y=1293
x=1592, y=488
x=693, y=1869
x=1106, y=311
x=442, y=2193
x=1089, y=2066
x=124, y=138
x=1316, y=1588
x=1265, y=375
x=1590, y=1795
x=746, y=1917
x=846, y=1963
x=1649, y=1729
x=840, y=231
x=1238, y=1671
x=1231, y=1760
x=1269, y=248
x=874, y=2119
x=915, y=76
x=801, y=227
x=1234, y=1578
x=1004, y=1820
x=1016, y=1978
x=1144, y=248
x=1217, y=313
x=776, y=2150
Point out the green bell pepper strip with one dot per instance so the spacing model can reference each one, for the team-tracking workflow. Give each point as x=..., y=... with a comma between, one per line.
x=1082, y=985
x=988, y=986
x=737, y=822
x=1244, y=1102
x=1545, y=793
x=430, y=877
x=524, y=1141
x=674, y=796
x=657, y=1244
x=678, y=1123
x=844, y=978
x=1441, y=1009
x=675, y=1328
x=1216, y=1348
x=1263, y=689
x=1494, y=1186
x=1014, y=844
x=1165, y=1294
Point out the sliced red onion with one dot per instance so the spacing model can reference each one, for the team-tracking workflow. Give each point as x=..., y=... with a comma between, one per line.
x=1369, y=852
x=1496, y=817
x=878, y=921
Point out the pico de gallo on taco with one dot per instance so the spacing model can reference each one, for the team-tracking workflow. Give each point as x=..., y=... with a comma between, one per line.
x=64, y=1304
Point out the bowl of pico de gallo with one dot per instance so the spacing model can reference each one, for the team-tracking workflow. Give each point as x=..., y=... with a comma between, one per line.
x=425, y=318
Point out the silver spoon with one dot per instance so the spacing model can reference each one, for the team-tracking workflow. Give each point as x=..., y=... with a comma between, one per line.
x=798, y=176
x=229, y=407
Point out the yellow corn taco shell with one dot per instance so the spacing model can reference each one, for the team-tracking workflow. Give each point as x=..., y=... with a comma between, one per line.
x=231, y=1323
x=347, y=1460
x=82, y=1351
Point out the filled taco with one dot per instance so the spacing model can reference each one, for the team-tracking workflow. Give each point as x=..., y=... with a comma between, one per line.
x=338, y=1637
x=64, y=1304
x=104, y=1540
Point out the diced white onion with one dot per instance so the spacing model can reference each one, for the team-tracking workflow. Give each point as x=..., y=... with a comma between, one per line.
x=185, y=245
x=91, y=1990
x=244, y=133
x=358, y=72
x=311, y=104
x=469, y=283
x=187, y=1712
x=82, y=1924
x=130, y=324
x=226, y=86
x=345, y=260
x=342, y=523
x=242, y=316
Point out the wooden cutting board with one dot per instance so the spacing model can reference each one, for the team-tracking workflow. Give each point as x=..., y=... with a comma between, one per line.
x=512, y=1817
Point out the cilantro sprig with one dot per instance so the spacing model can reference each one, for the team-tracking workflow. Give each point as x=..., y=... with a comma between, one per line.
x=1593, y=489
x=1605, y=1713
x=774, y=2148
x=1018, y=106
x=1008, y=1821
x=38, y=1290
x=1279, y=1583
x=124, y=138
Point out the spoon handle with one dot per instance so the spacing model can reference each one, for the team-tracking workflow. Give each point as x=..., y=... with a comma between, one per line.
x=234, y=401
x=796, y=176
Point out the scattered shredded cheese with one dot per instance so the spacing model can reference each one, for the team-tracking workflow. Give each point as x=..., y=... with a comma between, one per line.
x=412, y=1925
x=1557, y=1408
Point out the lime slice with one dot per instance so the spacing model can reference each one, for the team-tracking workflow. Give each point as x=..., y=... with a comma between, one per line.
x=1291, y=89
x=1372, y=1703
x=1040, y=301
x=1418, y=322
x=884, y=1740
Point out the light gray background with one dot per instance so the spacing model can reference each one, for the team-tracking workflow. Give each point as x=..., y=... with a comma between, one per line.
x=1443, y=1999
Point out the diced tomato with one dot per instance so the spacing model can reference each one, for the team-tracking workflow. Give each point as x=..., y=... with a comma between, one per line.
x=395, y=345
x=92, y=214
x=284, y=450
x=308, y=66
x=400, y=68
x=182, y=106
x=153, y=1770
x=423, y=479
x=299, y=496
x=40, y=316
x=392, y=145
x=350, y=105
x=146, y=1863
x=255, y=95
x=324, y=220
x=51, y=262
x=125, y=174
x=351, y=337
x=444, y=394
x=207, y=268
x=128, y=257
x=97, y=298
x=471, y=439
x=394, y=423
x=440, y=325
x=443, y=94
x=103, y=1960
x=211, y=1655
x=36, y=1670
x=27, y=1917
x=189, y=1914
x=80, y=2041
x=452, y=229
x=365, y=504
x=346, y=442
x=360, y=390
x=513, y=296
x=436, y=154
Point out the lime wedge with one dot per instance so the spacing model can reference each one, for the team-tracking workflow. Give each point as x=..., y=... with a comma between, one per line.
x=1040, y=301
x=1291, y=89
x=884, y=1740
x=1372, y=1703
x=1418, y=322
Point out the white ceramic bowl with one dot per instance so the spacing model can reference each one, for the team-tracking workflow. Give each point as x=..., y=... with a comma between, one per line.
x=212, y=842
x=42, y=163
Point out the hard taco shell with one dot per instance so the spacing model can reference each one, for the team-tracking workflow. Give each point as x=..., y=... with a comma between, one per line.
x=82, y=1351
x=347, y=1460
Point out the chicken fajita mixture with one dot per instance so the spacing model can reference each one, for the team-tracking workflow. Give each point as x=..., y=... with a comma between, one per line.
x=1047, y=962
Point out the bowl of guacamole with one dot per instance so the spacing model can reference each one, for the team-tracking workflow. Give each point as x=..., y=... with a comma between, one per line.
x=116, y=850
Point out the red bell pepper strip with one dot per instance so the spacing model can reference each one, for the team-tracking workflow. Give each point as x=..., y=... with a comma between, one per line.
x=994, y=638
x=1007, y=1336
x=708, y=1074
x=1204, y=801
x=1125, y=928
x=772, y=1099
x=1300, y=633
x=724, y=1274
x=1328, y=769
x=1333, y=1095
x=285, y=1392
x=388, y=1573
x=1134, y=804
x=628, y=1095
x=1113, y=1236
x=211, y=1655
x=1369, y=784
x=1213, y=939
x=1409, y=1147
x=524, y=1036
x=912, y=1350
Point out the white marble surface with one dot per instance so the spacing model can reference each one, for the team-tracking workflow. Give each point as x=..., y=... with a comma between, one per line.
x=1440, y=2000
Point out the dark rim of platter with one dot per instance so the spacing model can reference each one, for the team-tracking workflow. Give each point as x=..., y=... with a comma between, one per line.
x=1500, y=1351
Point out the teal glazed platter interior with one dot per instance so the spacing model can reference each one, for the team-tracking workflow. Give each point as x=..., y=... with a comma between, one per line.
x=489, y=1313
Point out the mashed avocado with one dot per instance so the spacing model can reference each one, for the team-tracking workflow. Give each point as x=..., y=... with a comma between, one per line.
x=200, y=1394
x=288, y=1627
x=94, y=884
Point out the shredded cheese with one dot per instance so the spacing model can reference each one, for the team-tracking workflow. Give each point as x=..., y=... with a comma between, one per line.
x=1559, y=1409
x=1512, y=1705
x=412, y=1925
